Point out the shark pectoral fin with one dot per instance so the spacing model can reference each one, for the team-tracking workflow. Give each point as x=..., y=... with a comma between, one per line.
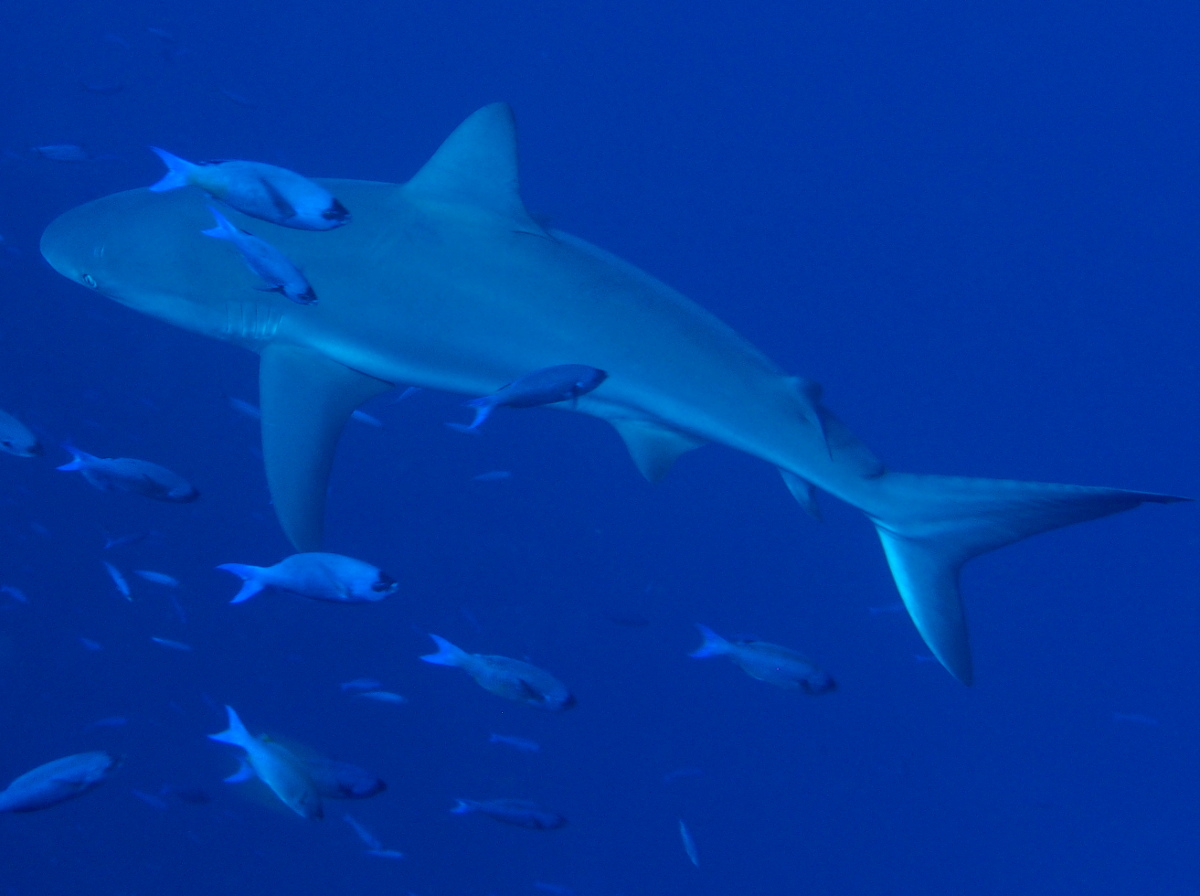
x=306, y=399
x=654, y=447
x=477, y=166
x=803, y=491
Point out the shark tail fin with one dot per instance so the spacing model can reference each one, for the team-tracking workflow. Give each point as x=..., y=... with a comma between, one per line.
x=712, y=645
x=178, y=171
x=447, y=654
x=251, y=577
x=235, y=734
x=931, y=525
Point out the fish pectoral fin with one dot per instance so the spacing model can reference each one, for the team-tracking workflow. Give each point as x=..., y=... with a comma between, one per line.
x=285, y=208
x=477, y=166
x=803, y=491
x=529, y=691
x=306, y=399
x=654, y=447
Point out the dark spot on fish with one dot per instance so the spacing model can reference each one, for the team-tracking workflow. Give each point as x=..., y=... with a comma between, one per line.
x=285, y=208
x=336, y=212
x=384, y=584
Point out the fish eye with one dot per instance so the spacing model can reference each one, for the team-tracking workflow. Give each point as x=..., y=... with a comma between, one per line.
x=88, y=280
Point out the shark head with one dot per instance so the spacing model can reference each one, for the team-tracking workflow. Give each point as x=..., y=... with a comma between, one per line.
x=112, y=247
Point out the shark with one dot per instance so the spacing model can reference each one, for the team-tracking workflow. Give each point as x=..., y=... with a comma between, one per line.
x=446, y=282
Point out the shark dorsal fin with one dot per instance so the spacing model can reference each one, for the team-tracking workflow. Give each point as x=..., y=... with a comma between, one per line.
x=477, y=166
x=654, y=447
x=306, y=399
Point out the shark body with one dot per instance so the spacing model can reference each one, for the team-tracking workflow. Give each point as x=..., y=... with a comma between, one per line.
x=447, y=283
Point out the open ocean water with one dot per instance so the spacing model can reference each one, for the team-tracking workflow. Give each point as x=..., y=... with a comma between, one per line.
x=976, y=225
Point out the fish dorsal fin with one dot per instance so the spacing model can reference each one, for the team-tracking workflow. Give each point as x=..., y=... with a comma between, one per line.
x=477, y=166
x=654, y=447
x=306, y=399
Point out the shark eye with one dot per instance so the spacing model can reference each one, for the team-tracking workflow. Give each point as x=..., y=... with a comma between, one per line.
x=88, y=280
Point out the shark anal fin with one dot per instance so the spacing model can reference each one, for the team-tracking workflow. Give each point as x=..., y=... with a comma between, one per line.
x=476, y=166
x=803, y=491
x=306, y=399
x=653, y=447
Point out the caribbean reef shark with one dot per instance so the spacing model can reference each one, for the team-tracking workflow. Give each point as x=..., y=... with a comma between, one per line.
x=446, y=282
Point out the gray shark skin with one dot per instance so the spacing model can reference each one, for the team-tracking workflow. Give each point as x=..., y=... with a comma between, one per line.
x=447, y=283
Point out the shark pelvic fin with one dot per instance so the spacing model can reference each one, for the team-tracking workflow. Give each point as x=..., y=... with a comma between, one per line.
x=477, y=166
x=654, y=447
x=803, y=491
x=306, y=399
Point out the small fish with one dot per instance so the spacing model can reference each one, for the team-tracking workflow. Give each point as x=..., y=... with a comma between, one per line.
x=119, y=580
x=383, y=697
x=521, y=813
x=151, y=799
x=524, y=744
x=125, y=474
x=563, y=382
x=120, y=541
x=768, y=662
x=493, y=476
x=108, y=722
x=174, y=645
x=15, y=593
x=408, y=392
x=274, y=766
x=1135, y=718
x=158, y=578
x=272, y=266
x=505, y=677
x=259, y=190
x=57, y=781
x=244, y=407
x=384, y=853
x=18, y=439
x=62, y=152
x=90, y=644
x=363, y=417
x=369, y=839
x=689, y=845
x=315, y=575
x=361, y=684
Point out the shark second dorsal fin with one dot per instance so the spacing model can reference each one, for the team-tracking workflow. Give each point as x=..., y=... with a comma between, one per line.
x=477, y=166
x=653, y=447
x=306, y=399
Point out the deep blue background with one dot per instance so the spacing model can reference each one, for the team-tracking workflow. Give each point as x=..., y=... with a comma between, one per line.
x=977, y=227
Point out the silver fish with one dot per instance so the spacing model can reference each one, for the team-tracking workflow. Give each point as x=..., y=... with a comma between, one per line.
x=126, y=474
x=57, y=781
x=315, y=575
x=768, y=662
x=505, y=677
x=17, y=438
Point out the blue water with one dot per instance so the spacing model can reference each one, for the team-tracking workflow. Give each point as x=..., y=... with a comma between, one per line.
x=975, y=225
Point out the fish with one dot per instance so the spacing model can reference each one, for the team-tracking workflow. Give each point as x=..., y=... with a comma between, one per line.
x=15, y=593
x=62, y=152
x=153, y=800
x=505, y=677
x=330, y=778
x=493, y=476
x=18, y=439
x=447, y=282
x=768, y=662
x=523, y=744
x=689, y=845
x=126, y=474
x=273, y=267
x=1135, y=718
x=317, y=576
x=274, y=766
x=107, y=722
x=384, y=853
x=521, y=813
x=57, y=781
x=550, y=385
x=245, y=408
x=262, y=191
x=118, y=580
x=369, y=839
x=383, y=697
x=158, y=578
x=90, y=644
x=173, y=645
x=363, y=417
x=361, y=684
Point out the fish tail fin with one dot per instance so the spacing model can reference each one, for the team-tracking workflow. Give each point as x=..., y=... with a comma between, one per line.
x=79, y=458
x=462, y=807
x=235, y=734
x=178, y=171
x=225, y=230
x=251, y=577
x=712, y=645
x=931, y=525
x=447, y=654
